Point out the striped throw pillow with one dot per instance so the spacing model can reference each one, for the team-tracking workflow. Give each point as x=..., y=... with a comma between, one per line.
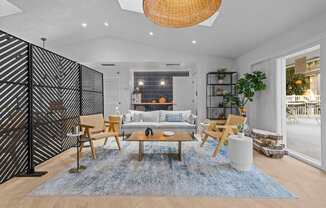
x=175, y=117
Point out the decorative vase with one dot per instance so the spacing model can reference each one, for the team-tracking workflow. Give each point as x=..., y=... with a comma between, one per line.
x=220, y=81
x=241, y=134
x=162, y=100
x=149, y=131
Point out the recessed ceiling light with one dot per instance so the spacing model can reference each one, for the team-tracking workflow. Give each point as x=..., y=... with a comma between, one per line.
x=106, y=24
x=151, y=33
x=84, y=25
x=194, y=42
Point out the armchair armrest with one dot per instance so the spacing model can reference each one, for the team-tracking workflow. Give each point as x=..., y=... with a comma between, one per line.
x=87, y=130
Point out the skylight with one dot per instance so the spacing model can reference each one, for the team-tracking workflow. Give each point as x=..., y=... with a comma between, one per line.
x=137, y=6
x=7, y=8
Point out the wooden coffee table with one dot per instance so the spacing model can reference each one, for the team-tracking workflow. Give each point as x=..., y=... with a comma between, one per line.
x=159, y=137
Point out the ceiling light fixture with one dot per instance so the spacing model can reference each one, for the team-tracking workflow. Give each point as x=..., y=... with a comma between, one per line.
x=194, y=42
x=162, y=82
x=106, y=24
x=84, y=25
x=140, y=83
x=151, y=33
x=179, y=14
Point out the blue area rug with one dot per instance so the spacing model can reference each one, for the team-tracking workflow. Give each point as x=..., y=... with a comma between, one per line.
x=119, y=173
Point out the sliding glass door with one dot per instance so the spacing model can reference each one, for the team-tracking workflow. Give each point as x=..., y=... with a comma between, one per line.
x=303, y=104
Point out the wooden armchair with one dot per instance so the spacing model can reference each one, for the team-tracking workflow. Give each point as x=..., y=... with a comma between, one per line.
x=221, y=133
x=94, y=128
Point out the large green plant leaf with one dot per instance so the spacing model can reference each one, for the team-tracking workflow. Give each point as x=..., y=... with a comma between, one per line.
x=246, y=87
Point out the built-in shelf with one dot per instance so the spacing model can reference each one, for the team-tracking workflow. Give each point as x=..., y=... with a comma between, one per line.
x=218, y=84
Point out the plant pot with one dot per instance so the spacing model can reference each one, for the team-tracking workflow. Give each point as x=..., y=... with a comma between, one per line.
x=243, y=111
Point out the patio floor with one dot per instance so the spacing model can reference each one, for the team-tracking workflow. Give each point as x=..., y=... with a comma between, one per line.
x=303, y=136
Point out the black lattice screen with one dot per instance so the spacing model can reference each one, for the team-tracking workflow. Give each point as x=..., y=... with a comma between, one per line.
x=13, y=106
x=56, y=97
x=41, y=98
x=92, y=91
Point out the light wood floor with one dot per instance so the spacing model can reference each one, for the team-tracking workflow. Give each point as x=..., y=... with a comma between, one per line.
x=308, y=183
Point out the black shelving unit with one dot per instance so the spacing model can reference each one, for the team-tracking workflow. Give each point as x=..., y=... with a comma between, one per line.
x=217, y=84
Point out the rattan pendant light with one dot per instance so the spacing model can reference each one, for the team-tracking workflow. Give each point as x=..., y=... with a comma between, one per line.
x=180, y=13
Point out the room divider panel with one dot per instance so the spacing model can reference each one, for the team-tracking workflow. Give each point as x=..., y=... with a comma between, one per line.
x=92, y=100
x=41, y=98
x=13, y=106
x=56, y=106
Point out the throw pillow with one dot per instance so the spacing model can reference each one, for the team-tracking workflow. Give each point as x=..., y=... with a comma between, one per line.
x=152, y=116
x=174, y=117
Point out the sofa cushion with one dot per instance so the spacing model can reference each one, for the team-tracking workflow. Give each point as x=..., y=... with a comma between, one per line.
x=176, y=125
x=140, y=125
x=185, y=114
x=152, y=116
x=135, y=115
x=174, y=117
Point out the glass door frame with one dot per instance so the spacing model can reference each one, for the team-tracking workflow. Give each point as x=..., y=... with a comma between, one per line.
x=281, y=66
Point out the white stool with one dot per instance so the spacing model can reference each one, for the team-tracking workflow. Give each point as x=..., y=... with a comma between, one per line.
x=241, y=152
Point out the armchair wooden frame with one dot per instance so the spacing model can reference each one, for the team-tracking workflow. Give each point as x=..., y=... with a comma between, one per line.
x=221, y=133
x=93, y=133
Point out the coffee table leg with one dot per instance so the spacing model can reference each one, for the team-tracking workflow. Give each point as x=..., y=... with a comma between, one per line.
x=179, y=151
x=141, y=150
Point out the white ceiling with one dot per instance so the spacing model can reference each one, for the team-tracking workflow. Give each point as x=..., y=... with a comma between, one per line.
x=7, y=8
x=241, y=25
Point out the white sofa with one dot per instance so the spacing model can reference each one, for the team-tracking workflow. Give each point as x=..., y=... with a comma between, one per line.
x=159, y=120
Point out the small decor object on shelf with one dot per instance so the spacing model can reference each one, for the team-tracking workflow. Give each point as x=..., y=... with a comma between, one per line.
x=221, y=75
x=149, y=131
x=168, y=133
x=136, y=98
x=162, y=100
x=219, y=91
x=268, y=143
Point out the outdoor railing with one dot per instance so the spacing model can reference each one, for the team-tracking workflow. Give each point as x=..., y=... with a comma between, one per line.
x=303, y=106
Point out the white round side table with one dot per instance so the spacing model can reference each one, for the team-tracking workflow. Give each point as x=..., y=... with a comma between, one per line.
x=241, y=152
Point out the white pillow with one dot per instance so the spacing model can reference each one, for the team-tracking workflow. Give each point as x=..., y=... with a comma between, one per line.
x=152, y=116
x=135, y=115
x=127, y=117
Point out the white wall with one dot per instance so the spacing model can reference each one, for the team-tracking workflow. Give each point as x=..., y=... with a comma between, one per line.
x=306, y=35
x=310, y=33
x=116, y=50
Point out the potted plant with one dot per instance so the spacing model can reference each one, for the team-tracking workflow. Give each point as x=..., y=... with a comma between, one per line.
x=221, y=75
x=246, y=88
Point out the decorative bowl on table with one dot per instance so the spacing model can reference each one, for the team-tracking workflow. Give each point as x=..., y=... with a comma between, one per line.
x=168, y=133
